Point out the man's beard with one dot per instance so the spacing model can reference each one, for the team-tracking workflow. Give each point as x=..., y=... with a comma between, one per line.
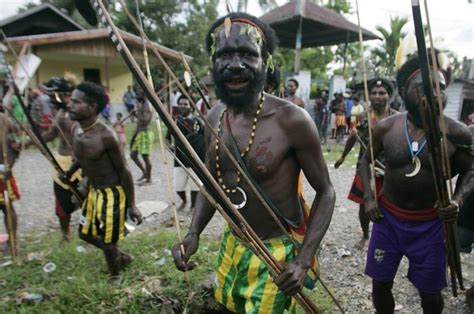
x=379, y=106
x=256, y=81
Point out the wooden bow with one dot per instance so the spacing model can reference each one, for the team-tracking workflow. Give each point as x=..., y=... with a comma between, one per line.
x=433, y=125
x=236, y=221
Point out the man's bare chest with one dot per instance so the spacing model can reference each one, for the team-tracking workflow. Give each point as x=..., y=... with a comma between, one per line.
x=263, y=153
x=87, y=147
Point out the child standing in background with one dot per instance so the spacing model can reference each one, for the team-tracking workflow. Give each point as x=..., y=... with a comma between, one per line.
x=120, y=129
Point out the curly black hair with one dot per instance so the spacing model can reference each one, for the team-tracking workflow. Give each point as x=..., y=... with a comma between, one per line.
x=94, y=94
x=380, y=81
x=297, y=84
x=270, y=42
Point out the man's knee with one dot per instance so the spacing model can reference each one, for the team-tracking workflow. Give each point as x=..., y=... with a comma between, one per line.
x=381, y=287
x=134, y=154
x=109, y=247
x=85, y=237
x=431, y=297
x=4, y=210
x=432, y=302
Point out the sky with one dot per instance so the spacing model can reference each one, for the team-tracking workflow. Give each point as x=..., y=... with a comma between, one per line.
x=452, y=21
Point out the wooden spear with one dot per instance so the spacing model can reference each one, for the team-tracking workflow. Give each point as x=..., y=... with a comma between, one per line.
x=7, y=191
x=35, y=130
x=197, y=164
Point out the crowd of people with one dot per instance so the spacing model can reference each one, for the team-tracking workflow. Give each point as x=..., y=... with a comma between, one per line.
x=276, y=141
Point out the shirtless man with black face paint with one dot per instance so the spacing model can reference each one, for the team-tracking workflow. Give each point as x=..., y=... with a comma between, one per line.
x=277, y=140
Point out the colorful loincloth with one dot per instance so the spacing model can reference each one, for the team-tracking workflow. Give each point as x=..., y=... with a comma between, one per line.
x=243, y=283
x=407, y=214
x=143, y=142
x=65, y=163
x=421, y=241
x=14, y=194
x=104, y=213
x=340, y=120
x=356, y=194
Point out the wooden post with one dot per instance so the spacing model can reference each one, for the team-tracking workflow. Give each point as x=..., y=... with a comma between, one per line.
x=107, y=74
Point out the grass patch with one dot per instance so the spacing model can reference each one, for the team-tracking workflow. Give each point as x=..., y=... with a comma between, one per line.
x=80, y=282
x=332, y=152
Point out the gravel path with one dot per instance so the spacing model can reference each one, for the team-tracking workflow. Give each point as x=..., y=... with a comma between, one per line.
x=342, y=260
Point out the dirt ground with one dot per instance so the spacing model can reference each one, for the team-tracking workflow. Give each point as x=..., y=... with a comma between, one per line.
x=342, y=260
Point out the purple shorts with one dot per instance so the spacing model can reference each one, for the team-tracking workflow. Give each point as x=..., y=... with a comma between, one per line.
x=422, y=242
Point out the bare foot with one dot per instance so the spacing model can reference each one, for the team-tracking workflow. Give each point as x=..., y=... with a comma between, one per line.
x=470, y=299
x=126, y=260
x=143, y=177
x=361, y=244
x=115, y=280
x=66, y=238
x=181, y=206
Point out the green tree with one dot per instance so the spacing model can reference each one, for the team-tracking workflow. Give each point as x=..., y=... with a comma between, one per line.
x=384, y=56
x=242, y=5
x=317, y=59
x=65, y=5
x=460, y=67
x=177, y=24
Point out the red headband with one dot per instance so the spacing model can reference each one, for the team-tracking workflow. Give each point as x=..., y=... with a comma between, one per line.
x=419, y=70
x=248, y=22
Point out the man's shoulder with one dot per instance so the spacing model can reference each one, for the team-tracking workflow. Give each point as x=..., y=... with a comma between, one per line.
x=215, y=112
x=279, y=105
x=392, y=120
x=287, y=113
x=105, y=132
x=457, y=132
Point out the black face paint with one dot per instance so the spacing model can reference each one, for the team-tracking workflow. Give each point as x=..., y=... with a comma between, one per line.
x=414, y=95
x=238, y=72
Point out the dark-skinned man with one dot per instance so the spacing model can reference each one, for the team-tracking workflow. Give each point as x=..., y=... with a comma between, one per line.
x=380, y=92
x=406, y=220
x=111, y=191
x=466, y=229
x=291, y=87
x=7, y=129
x=142, y=139
x=193, y=131
x=277, y=140
x=59, y=90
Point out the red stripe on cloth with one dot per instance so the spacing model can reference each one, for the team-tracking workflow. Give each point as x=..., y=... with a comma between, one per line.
x=407, y=214
x=13, y=186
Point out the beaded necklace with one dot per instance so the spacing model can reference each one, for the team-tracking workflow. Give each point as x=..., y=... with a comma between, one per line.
x=242, y=155
x=88, y=128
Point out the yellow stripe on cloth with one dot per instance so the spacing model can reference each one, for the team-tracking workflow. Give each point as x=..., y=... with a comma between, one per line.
x=238, y=252
x=270, y=291
x=109, y=215
x=98, y=213
x=224, y=267
x=123, y=209
x=243, y=282
x=252, y=276
x=88, y=211
x=65, y=163
x=104, y=213
x=11, y=195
